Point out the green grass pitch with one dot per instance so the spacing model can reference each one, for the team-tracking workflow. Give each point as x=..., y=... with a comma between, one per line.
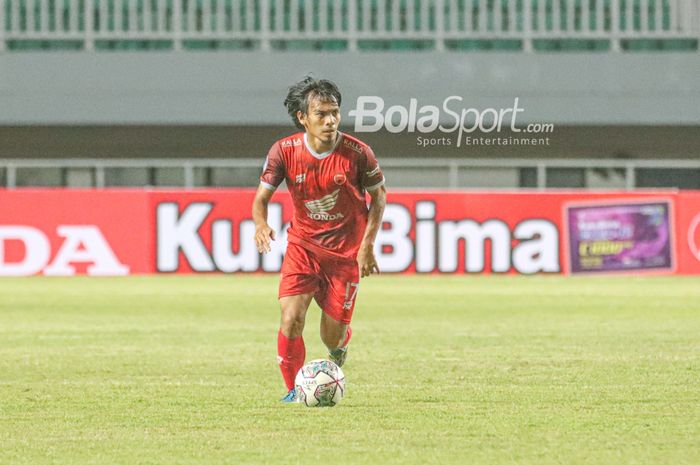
x=442, y=370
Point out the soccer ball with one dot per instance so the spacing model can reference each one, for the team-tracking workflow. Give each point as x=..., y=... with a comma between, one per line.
x=320, y=383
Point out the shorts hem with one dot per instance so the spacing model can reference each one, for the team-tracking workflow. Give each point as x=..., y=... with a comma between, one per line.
x=345, y=321
x=289, y=293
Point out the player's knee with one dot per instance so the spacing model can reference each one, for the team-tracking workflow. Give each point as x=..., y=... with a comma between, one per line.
x=292, y=322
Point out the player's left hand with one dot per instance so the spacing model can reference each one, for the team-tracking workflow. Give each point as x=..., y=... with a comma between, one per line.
x=366, y=261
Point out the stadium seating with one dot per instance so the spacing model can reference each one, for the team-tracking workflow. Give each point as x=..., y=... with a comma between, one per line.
x=393, y=28
x=395, y=25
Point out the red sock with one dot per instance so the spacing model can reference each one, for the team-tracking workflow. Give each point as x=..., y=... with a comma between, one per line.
x=291, y=353
x=348, y=335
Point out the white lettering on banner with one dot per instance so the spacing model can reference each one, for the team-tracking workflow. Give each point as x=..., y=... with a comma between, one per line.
x=535, y=252
x=85, y=244
x=81, y=244
x=475, y=236
x=425, y=237
x=531, y=247
x=396, y=238
x=222, y=241
x=36, y=246
x=180, y=233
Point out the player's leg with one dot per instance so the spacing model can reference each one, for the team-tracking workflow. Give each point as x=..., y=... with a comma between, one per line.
x=336, y=336
x=298, y=284
x=336, y=297
x=334, y=333
x=291, y=350
x=293, y=314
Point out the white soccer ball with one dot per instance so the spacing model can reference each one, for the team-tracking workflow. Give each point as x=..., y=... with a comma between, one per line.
x=320, y=383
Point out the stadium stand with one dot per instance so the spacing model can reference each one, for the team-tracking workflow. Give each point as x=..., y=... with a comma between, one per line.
x=395, y=25
x=613, y=130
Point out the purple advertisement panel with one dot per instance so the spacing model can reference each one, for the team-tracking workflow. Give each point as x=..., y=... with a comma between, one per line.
x=619, y=237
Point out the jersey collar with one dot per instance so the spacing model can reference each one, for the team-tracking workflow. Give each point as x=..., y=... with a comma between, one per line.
x=321, y=156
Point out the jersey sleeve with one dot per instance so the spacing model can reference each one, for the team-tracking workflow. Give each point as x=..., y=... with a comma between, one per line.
x=372, y=177
x=273, y=169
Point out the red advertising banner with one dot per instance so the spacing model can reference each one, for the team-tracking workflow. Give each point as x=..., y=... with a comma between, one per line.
x=117, y=232
x=688, y=232
x=66, y=232
x=477, y=232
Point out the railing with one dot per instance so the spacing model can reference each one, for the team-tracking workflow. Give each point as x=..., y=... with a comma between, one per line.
x=447, y=173
x=438, y=22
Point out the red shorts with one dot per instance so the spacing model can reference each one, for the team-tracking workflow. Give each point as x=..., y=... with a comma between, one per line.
x=334, y=283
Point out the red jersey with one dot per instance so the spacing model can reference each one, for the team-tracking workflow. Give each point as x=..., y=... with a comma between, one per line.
x=328, y=191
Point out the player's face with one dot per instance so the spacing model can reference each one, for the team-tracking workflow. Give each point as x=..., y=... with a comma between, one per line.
x=321, y=122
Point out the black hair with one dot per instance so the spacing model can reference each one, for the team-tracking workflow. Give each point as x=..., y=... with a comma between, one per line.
x=303, y=91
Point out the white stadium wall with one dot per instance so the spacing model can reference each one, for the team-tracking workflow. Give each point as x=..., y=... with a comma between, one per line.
x=238, y=88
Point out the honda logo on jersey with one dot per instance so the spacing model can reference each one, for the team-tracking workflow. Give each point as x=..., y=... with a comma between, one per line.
x=318, y=209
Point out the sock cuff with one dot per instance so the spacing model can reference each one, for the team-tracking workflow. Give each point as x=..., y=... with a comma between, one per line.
x=280, y=335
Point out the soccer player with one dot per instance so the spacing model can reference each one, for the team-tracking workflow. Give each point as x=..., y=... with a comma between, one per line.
x=331, y=236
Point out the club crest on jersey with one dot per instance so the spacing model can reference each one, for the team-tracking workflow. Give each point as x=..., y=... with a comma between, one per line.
x=318, y=209
x=339, y=179
x=300, y=178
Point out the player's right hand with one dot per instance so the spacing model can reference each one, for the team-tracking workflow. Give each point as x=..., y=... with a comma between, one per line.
x=263, y=235
x=366, y=261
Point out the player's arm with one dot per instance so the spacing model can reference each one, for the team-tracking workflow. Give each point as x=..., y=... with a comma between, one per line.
x=365, y=256
x=263, y=232
x=272, y=176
